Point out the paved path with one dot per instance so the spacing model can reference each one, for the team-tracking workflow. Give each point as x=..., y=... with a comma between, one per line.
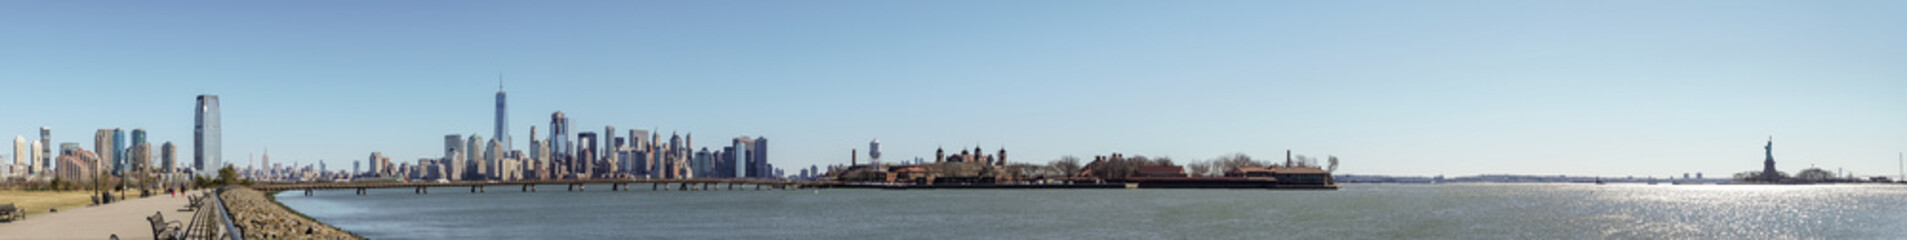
x=126, y=218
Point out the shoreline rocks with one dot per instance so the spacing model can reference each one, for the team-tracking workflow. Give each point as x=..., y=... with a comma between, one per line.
x=257, y=217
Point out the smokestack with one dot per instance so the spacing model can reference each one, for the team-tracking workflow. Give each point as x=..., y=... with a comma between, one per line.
x=854, y=157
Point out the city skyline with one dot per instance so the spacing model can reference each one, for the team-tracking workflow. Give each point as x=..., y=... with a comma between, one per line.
x=1544, y=88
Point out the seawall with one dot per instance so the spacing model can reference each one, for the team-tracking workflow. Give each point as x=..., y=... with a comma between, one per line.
x=258, y=216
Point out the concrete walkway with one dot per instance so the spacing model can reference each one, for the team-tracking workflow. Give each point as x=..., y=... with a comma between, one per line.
x=126, y=218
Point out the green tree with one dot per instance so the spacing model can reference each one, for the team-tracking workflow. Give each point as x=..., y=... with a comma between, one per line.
x=227, y=175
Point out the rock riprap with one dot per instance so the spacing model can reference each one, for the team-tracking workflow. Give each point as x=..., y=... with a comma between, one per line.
x=258, y=218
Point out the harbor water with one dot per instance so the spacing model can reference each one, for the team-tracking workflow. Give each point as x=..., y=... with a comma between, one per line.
x=1358, y=211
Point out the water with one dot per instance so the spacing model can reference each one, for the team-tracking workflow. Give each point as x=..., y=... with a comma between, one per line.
x=1358, y=211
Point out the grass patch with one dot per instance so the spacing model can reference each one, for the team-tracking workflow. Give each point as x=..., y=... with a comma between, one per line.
x=37, y=202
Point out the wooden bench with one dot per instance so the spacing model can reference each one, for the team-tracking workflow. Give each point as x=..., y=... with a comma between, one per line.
x=11, y=212
x=162, y=229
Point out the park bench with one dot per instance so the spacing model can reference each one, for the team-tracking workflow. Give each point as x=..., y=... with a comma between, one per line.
x=11, y=212
x=192, y=202
x=162, y=229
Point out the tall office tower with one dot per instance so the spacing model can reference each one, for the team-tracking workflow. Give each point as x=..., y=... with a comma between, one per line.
x=35, y=166
x=46, y=150
x=140, y=156
x=138, y=136
x=473, y=158
x=760, y=156
x=453, y=143
x=534, y=151
x=536, y=158
x=138, y=139
x=168, y=157
x=493, y=160
x=744, y=162
x=269, y=169
x=205, y=135
x=20, y=151
x=503, y=129
x=704, y=161
x=453, y=166
x=120, y=165
x=655, y=153
x=621, y=153
x=726, y=167
x=543, y=164
x=377, y=165
x=585, y=158
x=609, y=145
x=637, y=146
x=624, y=159
x=103, y=141
x=559, y=140
x=673, y=156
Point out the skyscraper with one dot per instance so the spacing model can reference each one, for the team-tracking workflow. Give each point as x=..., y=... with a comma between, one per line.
x=120, y=164
x=473, y=158
x=492, y=159
x=38, y=168
x=103, y=141
x=143, y=160
x=744, y=160
x=46, y=150
x=760, y=156
x=585, y=159
x=503, y=130
x=453, y=152
x=638, y=164
x=205, y=135
x=609, y=144
x=139, y=156
x=453, y=143
x=20, y=150
x=559, y=140
x=169, y=157
x=374, y=164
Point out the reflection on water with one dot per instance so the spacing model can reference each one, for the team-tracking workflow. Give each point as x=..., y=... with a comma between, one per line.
x=1358, y=211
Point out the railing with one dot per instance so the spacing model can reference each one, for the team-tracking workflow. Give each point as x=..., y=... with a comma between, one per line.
x=225, y=216
x=212, y=220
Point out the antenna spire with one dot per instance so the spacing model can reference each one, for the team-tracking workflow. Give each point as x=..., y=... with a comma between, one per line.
x=499, y=81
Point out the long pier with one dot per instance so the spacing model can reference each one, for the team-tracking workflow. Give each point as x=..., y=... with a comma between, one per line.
x=689, y=184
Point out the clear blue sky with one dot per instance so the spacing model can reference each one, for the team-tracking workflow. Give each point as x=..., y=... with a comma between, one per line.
x=1648, y=88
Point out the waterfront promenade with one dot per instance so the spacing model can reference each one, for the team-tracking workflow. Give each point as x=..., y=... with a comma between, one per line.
x=126, y=219
x=569, y=184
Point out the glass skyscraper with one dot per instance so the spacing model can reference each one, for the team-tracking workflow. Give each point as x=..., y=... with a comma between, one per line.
x=503, y=131
x=205, y=135
x=119, y=151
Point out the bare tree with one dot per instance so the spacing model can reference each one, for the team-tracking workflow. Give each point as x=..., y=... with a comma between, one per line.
x=1162, y=161
x=1235, y=161
x=1199, y=169
x=1066, y=166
